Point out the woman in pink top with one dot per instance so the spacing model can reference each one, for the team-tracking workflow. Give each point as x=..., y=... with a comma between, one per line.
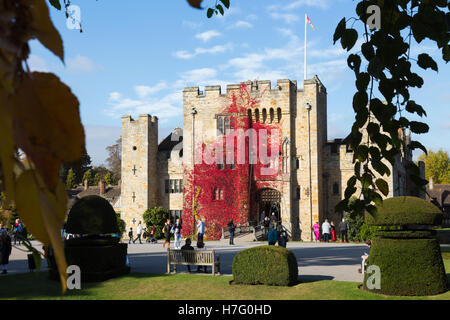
x=316, y=230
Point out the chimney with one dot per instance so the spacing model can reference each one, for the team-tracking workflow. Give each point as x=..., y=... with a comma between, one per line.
x=101, y=185
x=85, y=185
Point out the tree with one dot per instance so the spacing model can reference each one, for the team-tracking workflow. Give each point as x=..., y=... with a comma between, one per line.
x=108, y=178
x=114, y=160
x=88, y=176
x=79, y=167
x=387, y=70
x=96, y=179
x=121, y=224
x=157, y=217
x=70, y=181
x=437, y=166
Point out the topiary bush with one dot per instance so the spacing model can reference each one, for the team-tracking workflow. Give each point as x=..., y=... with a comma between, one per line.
x=156, y=216
x=408, y=267
x=95, y=250
x=268, y=265
x=92, y=215
x=405, y=248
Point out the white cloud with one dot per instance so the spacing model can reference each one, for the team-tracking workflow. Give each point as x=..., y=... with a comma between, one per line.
x=144, y=91
x=80, y=64
x=288, y=18
x=183, y=54
x=208, y=35
x=241, y=24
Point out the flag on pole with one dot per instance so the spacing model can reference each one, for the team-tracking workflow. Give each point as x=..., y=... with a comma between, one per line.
x=309, y=21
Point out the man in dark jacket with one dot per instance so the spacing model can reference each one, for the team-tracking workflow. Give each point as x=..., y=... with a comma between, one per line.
x=343, y=229
x=187, y=246
x=231, y=228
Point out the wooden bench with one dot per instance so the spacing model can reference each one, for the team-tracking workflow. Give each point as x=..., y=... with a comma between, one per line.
x=193, y=257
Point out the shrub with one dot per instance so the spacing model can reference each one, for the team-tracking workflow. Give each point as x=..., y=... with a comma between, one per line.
x=366, y=232
x=92, y=215
x=355, y=223
x=268, y=265
x=157, y=217
x=121, y=224
x=408, y=267
x=405, y=211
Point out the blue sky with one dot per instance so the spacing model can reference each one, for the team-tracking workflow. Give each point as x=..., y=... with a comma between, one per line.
x=136, y=57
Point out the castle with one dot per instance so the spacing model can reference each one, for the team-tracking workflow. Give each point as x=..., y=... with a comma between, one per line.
x=193, y=173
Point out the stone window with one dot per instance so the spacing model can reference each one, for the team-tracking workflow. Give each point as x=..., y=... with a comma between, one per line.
x=174, y=214
x=218, y=194
x=257, y=115
x=336, y=188
x=224, y=123
x=279, y=115
x=264, y=115
x=272, y=115
x=173, y=186
x=298, y=193
x=134, y=148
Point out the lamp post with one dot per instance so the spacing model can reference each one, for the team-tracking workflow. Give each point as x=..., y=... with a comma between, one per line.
x=193, y=112
x=308, y=108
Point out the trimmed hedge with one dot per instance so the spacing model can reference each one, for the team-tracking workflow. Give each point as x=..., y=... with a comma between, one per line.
x=97, y=263
x=405, y=211
x=268, y=265
x=92, y=215
x=406, y=234
x=408, y=267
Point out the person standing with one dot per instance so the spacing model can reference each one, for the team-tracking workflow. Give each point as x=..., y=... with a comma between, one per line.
x=262, y=217
x=333, y=232
x=18, y=230
x=282, y=237
x=177, y=233
x=200, y=229
x=231, y=228
x=317, y=231
x=272, y=236
x=130, y=235
x=326, y=228
x=166, y=231
x=343, y=229
x=138, y=232
x=5, y=250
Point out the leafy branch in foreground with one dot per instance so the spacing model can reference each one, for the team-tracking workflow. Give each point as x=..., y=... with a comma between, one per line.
x=384, y=66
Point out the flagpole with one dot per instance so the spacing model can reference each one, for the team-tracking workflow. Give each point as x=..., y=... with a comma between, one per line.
x=304, y=58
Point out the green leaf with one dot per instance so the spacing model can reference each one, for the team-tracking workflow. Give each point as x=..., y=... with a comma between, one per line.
x=349, y=38
x=418, y=127
x=362, y=153
x=412, y=107
x=372, y=210
x=425, y=61
x=360, y=101
x=220, y=8
x=417, y=145
x=382, y=186
x=56, y=4
x=367, y=51
x=339, y=30
x=210, y=12
x=226, y=3
x=362, y=81
x=366, y=180
x=354, y=62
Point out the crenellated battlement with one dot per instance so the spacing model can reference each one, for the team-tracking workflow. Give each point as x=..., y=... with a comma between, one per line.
x=153, y=120
x=254, y=86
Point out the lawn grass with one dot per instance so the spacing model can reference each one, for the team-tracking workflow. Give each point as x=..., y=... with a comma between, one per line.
x=138, y=286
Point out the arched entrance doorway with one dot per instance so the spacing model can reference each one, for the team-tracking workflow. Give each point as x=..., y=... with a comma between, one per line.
x=268, y=201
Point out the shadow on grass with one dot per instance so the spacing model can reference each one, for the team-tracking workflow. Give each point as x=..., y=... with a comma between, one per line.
x=38, y=286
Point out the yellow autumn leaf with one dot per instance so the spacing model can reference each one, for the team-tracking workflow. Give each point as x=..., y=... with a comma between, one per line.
x=6, y=148
x=48, y=124
x=44, y=30
x=195, y=3
x=43, y=213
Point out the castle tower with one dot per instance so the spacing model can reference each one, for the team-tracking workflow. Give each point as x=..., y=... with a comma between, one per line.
x=139, y=167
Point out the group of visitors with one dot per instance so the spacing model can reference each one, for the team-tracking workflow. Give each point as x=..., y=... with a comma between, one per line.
x=277, y=235
x=329, y=231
